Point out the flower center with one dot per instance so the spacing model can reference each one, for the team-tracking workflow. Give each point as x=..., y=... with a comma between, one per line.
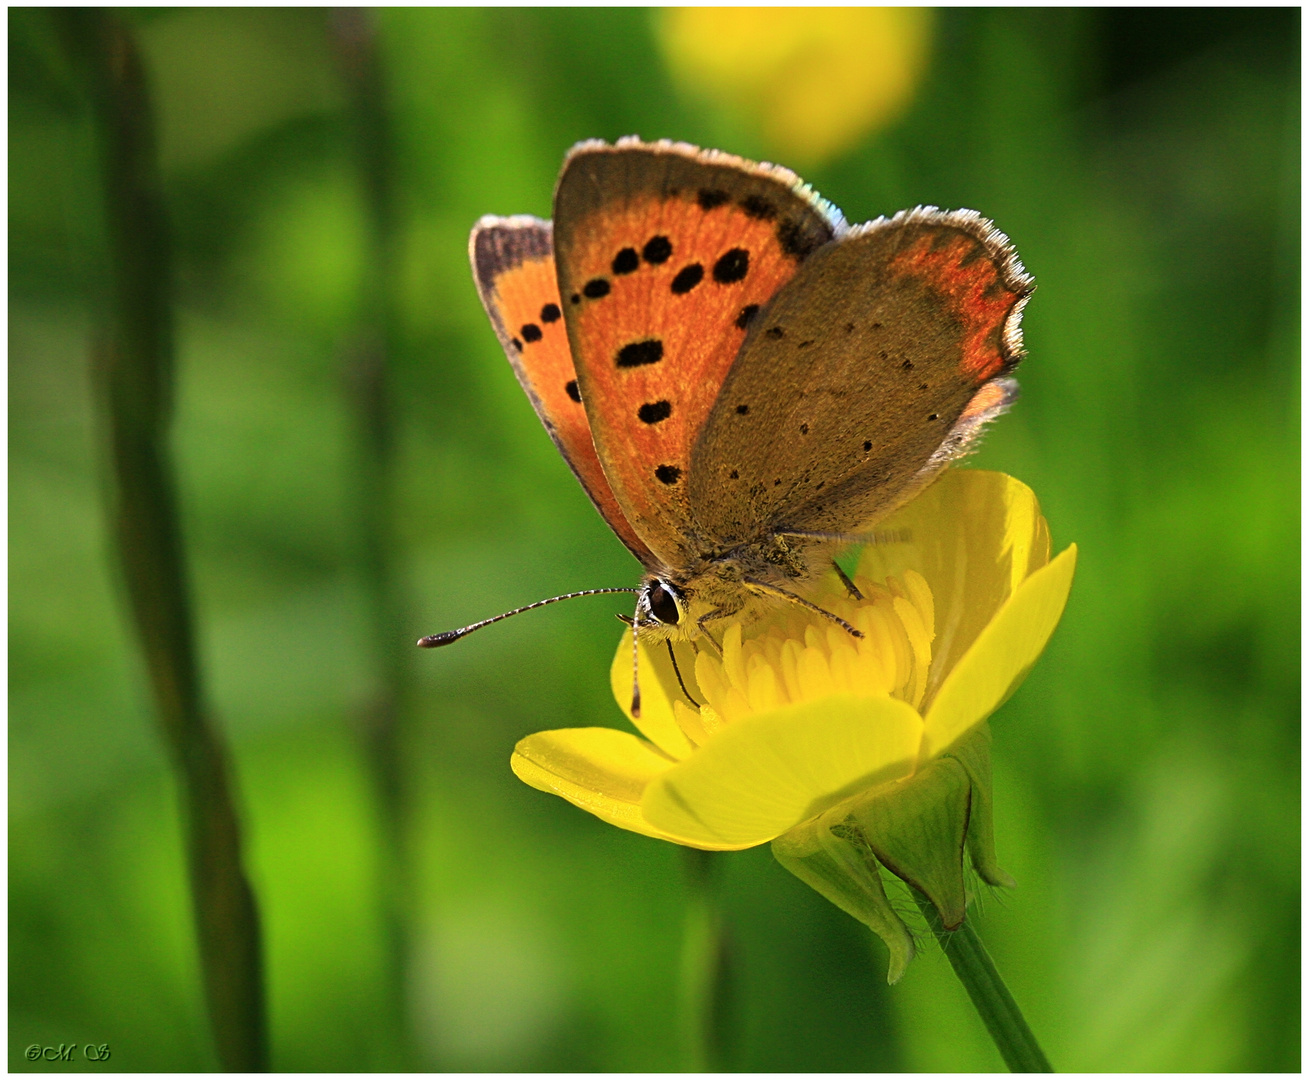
x=794, y=655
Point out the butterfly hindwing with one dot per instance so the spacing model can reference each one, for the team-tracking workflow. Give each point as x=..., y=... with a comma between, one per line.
x=665, y=256
x=513, y=264
x=873, y=368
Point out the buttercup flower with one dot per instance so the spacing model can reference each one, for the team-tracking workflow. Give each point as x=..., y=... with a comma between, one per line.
x=848, y=754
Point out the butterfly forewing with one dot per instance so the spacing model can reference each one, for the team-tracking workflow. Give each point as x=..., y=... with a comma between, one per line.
x=665, y=256
x=874, y=367
x=513, y=264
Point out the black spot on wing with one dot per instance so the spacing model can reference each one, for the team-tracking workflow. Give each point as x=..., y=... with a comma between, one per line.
x=570, y=388
x=795, y=240
x=756, y=206
x=688, y=278
x=747, y=316
x=654, y=411
x=711, y=197
x=668, y=474
x=867, y=446
x=596, y=288
x=625, y=261
x=550, y=313
x=637, y=353
x=531, y=332
x=775, y=332
x=576, y=298
x=518, y=345
x=732, y=266
x=658, y=249
x=741, y=410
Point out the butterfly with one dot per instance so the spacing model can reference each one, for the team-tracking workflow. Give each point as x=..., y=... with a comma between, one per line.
x=743, y=382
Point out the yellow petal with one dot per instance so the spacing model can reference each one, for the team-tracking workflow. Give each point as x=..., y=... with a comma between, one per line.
x=766, y=773
x=601, y=770
x=1001, y=656
x=659, y=689
x=975, y=536
x=691, y=723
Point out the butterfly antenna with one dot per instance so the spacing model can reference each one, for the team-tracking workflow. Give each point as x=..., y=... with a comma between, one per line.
x=435, y=641
x=636, y=667
x=850, y=586
x=678, y=672
x=772, y=590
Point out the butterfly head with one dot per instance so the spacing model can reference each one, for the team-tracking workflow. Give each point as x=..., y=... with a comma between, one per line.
x=661, y=605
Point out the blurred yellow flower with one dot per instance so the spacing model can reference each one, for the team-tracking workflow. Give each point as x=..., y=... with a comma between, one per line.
x=797, y=715
x=813, y=81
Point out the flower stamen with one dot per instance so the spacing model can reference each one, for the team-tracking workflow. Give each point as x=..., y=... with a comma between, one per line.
x=799, y=655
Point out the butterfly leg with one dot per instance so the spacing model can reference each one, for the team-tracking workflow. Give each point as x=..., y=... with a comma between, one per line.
x=714, y=647
x=764, y=589
x=850, y=586
x=717, y=613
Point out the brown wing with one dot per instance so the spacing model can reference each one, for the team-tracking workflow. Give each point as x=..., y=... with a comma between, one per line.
x=513, y=265
x=877, y=365
x=665, y=253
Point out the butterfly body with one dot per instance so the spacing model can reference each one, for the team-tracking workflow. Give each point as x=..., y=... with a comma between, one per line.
x=741, y=381
x=718, y=586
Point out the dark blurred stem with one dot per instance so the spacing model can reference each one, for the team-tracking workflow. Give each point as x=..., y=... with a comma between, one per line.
x=706, y=973
x=990, y=997
x=354, y=33
x=134, y=369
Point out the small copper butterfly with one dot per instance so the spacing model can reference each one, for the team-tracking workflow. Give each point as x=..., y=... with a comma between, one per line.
x=743, y=382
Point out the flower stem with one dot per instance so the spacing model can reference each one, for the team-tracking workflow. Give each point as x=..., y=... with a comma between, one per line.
x=134, y=375
x=705, y=981
x=990, y=997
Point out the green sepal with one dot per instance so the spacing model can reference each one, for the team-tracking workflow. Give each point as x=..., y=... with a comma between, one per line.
x=973, y=752
x=846, y=873
x=917, y=829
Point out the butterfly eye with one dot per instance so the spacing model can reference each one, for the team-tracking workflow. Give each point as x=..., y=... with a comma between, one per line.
x=664, y=605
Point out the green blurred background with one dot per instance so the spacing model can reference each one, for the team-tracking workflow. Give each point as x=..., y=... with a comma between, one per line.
x=1146, y=165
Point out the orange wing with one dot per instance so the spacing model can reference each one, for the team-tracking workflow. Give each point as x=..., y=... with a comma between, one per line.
x=513, y=265
x=664, y=255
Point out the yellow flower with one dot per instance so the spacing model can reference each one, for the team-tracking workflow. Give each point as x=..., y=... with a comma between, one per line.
x=812, y=80
x=797, y=716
